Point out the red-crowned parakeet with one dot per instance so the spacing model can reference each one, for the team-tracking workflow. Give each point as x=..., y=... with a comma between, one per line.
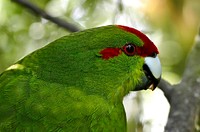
x=77, y=82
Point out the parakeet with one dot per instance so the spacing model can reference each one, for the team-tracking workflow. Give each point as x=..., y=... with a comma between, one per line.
x=77, y=83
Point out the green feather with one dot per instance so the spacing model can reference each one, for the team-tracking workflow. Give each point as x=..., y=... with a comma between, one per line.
x=67, y=86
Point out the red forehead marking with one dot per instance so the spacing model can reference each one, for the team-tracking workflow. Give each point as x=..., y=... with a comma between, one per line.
x=148, y=48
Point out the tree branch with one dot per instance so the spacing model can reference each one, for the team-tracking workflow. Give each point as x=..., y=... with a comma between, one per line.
x=42, y=13
x=185, y=98
x=167, y=89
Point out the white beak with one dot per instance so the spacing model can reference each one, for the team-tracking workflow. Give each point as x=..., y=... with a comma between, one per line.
x=153, y=70
x=154, y=66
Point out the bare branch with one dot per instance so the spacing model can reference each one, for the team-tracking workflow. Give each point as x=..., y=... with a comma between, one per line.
x=185, y=98
x=167, y=89
x=42, y=13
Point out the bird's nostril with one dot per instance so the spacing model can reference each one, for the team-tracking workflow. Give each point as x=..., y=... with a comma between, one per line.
x=154, y=55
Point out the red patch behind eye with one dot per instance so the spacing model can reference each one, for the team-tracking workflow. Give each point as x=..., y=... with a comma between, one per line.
x=148, y=48
x=110, y=52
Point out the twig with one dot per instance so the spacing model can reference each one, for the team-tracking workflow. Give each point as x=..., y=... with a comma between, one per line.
x=45, y=15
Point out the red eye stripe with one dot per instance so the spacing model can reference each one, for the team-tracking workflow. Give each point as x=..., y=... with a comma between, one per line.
x=129, y=49
x=110, y=53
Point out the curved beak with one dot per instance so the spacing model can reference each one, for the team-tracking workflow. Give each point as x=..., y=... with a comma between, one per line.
x=152, y=70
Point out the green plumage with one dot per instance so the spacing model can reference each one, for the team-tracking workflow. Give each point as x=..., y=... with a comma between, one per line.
x=67, y=86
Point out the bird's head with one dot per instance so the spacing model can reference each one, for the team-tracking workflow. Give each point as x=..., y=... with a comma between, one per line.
x=134, y=44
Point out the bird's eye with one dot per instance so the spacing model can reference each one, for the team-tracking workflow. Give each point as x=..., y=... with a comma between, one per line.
x=129, y=49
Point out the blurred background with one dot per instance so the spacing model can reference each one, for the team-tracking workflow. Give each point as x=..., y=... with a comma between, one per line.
x=171, y=24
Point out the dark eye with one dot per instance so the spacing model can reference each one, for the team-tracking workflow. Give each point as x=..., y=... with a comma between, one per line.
x=129, y=49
